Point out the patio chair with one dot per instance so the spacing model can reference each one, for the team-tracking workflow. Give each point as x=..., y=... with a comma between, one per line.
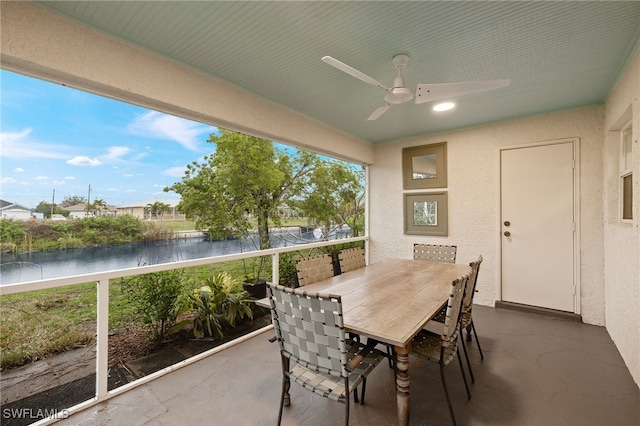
x=466, y=319
x=351, y=259
x=435, y=252
x=315, y=268
x=443, y=348
x=314, y=351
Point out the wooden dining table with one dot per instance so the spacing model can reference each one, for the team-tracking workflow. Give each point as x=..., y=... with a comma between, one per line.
x=391, y=301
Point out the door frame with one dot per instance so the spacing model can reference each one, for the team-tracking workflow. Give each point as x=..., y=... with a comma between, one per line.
x=576, y=215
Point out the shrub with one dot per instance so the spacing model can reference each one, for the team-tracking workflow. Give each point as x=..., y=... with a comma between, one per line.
x=155, y=297
x=69, y=241
x=11, y=231
x=288, y=271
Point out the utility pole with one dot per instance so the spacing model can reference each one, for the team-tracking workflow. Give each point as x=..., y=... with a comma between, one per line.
x=88, y=199
x=53, y=201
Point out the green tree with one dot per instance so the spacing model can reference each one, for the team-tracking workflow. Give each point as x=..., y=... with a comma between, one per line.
x=98, y=206
x=156, y=209
x=45, y=208
x=334, y=196
x=241, y=185
x=72, y=200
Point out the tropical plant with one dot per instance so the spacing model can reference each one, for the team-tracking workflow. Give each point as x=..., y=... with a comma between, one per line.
x=98, y=206
x=157, y=208
x=218, y=304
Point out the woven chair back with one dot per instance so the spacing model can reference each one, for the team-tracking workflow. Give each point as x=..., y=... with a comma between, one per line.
x=309, y=328
x=435, y=252
x=351, y=259
x=454, y=307
x=471, y=284
x=315, y=268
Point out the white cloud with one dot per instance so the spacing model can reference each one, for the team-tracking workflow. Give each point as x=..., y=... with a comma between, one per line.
x=70, y=177
x=175, y=171
x=18, y=170
x=80, y=160
x=162, y=126
x=117, y=152
x=20, y=145
x=127, y=174
x=58, y=182
x=112, y=189
x=41, y=178
x=7, y=180
x=130, y=190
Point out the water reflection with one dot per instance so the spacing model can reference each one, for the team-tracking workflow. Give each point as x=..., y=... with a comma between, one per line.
x=22, y=267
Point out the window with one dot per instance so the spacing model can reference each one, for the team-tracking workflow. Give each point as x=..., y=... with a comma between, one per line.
x=626, y=175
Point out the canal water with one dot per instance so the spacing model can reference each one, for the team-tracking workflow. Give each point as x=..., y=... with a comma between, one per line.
x=22, y=267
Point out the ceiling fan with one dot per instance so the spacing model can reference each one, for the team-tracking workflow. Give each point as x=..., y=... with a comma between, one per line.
x=399, y=94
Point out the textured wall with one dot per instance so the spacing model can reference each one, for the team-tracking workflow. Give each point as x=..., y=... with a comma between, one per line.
x=622, y=240
x=473, y=187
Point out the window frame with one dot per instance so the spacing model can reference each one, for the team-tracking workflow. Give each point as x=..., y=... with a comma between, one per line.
x=625, y=171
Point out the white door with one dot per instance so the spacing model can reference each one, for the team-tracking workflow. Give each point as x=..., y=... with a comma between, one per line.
x=537, y=185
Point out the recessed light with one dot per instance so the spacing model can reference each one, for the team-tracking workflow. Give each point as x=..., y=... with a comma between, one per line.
x=445, y=106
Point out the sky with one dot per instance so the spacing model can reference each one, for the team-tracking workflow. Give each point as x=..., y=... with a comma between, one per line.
x=56, y=142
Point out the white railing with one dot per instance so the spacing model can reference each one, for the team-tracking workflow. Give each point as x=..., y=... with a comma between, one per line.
x=102, y=279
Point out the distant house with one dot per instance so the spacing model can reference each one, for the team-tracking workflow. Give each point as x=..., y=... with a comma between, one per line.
x=140, y=209
x=78, y=211
x=9, y=210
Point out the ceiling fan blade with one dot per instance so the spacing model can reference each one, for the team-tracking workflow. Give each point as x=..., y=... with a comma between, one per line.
x=377, y=113
x=436, y=92
x=353, y=72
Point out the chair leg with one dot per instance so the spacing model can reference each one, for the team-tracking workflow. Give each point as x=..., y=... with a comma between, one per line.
x=466, y=356
x=346, y=402
x=446, y=394
x=473, y=327
x=464, y=376
x=355, y=395
x=284, y=390
x=364, y=388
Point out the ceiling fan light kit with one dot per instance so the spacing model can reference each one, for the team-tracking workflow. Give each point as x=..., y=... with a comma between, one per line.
x=399, y=94
x=444, y=106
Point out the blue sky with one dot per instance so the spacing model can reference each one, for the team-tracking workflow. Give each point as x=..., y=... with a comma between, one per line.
x=56, y=138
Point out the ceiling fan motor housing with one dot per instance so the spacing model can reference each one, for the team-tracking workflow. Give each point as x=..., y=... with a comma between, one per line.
x=399, y=94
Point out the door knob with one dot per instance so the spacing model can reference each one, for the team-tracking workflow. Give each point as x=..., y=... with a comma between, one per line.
x=507, y=233
x=507, y=223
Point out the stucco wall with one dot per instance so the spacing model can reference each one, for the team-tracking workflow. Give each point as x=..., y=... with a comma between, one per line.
x=622, y=240
x=473, y=187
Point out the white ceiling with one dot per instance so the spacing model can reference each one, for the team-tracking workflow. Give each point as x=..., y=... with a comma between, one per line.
x=558, y=54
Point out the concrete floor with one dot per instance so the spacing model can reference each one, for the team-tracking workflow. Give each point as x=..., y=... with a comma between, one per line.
x=537, y=371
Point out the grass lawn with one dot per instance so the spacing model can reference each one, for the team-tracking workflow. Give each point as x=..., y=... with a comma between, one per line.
x=36, y=324
x=176, y=225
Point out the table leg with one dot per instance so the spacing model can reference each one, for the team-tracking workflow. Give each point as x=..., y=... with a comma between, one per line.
x=402, y=383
